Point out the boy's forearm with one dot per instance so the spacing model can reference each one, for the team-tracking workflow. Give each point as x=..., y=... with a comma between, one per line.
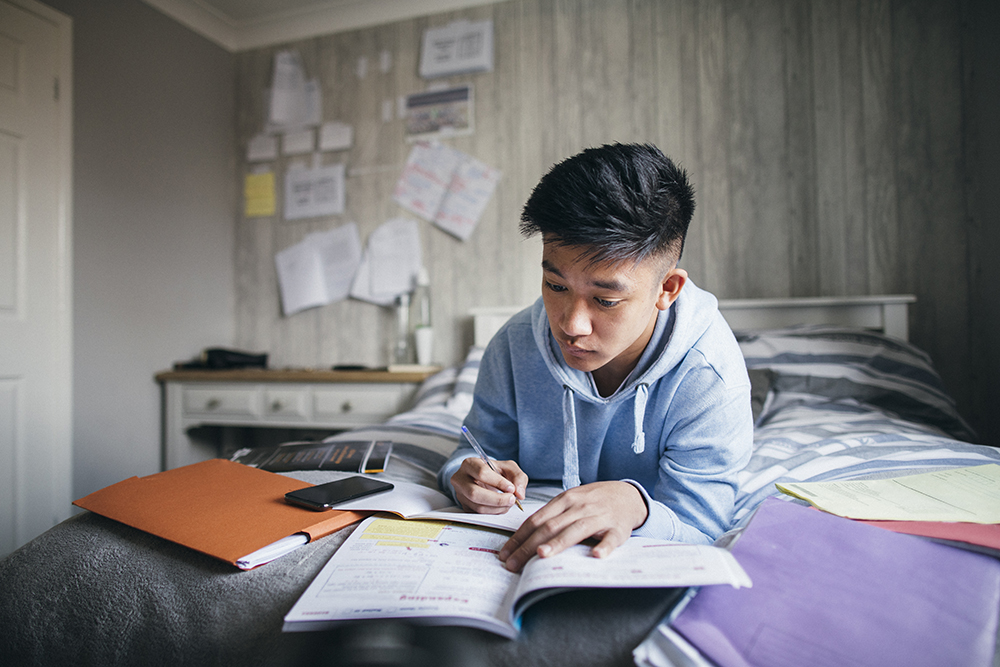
x=663, y=523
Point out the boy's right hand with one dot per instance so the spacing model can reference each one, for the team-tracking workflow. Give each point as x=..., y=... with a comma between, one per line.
x=479, y=489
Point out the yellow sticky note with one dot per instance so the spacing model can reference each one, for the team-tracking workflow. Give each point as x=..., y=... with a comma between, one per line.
x=400, y=528
x=258, y=193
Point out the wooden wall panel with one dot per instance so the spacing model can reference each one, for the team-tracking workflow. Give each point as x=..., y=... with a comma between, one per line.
x=707, y=129
x=839, y=227
x=878, y=121
x=932, y=216
x=824, y=139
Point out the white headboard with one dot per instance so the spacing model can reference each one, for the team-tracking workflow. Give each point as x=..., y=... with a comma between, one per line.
x=888, y=314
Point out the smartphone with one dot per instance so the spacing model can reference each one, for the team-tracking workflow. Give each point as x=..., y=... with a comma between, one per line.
x=326, y=496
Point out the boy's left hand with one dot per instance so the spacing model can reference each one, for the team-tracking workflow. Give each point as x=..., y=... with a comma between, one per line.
x=606, y=510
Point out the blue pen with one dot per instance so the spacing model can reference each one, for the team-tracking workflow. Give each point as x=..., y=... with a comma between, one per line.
x=482, y=454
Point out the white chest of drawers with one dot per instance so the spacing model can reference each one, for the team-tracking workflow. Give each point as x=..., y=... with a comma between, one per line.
x=337, y=400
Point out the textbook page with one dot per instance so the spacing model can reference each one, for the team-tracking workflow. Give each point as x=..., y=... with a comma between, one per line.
x=444, y=573
x=509, y=521
x=393, y=568
x=969, y=494
x=641, y=562
x=405, y=499
x=416, y=501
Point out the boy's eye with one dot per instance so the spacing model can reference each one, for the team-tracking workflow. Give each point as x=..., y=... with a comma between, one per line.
x=604, y=303
x=554, y=287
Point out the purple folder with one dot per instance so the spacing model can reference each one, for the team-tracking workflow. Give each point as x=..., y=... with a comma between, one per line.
x=828, y=591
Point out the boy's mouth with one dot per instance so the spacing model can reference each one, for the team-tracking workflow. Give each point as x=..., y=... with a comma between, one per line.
x=574, y=350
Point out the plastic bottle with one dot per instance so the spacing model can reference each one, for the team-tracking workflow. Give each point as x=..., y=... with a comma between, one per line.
x=420, y=318
x=402, y=352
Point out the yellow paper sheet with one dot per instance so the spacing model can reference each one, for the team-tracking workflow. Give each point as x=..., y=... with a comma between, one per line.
x=960, y=494
x=258, y=192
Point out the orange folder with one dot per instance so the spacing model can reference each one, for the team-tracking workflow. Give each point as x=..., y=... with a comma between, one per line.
x=220, y=508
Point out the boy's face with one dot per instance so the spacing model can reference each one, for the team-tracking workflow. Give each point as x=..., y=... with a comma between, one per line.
x=602, y=315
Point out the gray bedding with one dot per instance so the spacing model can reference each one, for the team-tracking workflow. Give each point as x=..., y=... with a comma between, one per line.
x=91, y=591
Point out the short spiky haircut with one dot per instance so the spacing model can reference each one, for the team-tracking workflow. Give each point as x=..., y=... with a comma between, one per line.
x=624, y=202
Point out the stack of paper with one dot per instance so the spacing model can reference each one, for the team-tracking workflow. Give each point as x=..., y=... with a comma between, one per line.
x=960, y=506
x=959, y=494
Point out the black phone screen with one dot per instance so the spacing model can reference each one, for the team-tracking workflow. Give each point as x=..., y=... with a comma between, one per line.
x=325, y=496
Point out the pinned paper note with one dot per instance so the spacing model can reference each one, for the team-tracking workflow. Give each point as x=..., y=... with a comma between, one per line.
x=445, y=186
x=470, y=190
x=445, y=112
x=311, y=192
x=319, y=270
x=300, y=142
x=461, y=46
x=258, y=195
x=262, y=148
x=390, y=264
x=335, y=136
x=426, y=177
x=294, y=101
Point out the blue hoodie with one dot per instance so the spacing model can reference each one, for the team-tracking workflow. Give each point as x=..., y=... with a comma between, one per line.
x=679, y=428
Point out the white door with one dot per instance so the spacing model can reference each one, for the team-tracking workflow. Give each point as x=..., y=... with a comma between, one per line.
x=36, y=453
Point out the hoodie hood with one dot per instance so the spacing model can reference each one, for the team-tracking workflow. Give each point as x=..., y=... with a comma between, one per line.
x=676, y=331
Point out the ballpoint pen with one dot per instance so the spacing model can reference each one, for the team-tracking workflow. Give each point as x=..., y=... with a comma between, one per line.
x=482, y=454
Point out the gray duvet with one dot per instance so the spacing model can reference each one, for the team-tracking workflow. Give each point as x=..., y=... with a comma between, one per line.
x=91, y=591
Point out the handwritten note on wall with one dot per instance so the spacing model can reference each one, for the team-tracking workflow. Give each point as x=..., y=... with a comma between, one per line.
x=390, y=264
x=445, y=186
x=319, y=269
x=314, y=192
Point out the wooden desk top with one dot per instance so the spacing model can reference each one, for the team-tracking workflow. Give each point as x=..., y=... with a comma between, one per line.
x=291, y=375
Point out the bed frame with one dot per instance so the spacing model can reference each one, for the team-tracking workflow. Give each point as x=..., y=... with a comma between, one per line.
x=888, y=314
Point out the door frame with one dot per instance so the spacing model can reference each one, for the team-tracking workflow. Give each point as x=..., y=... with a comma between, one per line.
x=60, y=493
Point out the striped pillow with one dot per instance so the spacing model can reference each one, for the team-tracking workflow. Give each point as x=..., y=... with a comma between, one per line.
x=435, y=390
x=838, y=363
x=465, y=384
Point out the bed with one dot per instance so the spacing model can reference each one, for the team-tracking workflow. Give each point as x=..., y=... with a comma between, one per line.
x=838, y=394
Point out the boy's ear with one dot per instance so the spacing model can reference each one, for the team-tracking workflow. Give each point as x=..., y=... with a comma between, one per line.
x=671, y=287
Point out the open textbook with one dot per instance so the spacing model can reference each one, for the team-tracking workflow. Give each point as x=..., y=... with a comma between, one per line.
x=443, y=573
x=415, y=501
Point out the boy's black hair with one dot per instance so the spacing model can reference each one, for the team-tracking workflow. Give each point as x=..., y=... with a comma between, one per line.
x=625, y=202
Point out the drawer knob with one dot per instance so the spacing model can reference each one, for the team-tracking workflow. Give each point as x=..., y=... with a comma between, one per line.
x=346, y=406
x=277, y=406
x=212, y=404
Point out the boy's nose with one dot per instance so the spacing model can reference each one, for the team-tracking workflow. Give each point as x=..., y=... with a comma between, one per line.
x=576, y=320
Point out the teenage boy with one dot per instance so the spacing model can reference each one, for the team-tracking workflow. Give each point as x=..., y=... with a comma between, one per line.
x=623, y=380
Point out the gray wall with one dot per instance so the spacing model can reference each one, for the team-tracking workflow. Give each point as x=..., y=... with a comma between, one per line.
x=153, y=215
x=827, y=140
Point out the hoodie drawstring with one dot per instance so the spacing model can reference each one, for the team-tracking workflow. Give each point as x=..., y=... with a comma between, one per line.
x=571, y=455
x=641, y=395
